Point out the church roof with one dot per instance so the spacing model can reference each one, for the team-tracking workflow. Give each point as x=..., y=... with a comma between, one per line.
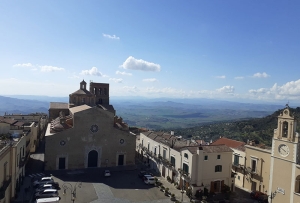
x=59, y=105
x=82, y=92
x=79, y=108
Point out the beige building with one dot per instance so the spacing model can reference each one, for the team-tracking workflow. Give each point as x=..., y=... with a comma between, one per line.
x=257, y=167
x=238, y=159
x=186, y=162
x=12, y=167
x=89, y=135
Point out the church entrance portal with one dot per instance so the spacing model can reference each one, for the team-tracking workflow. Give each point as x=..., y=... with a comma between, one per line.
x=62, y=163
x=121, y=160
x=93, y=159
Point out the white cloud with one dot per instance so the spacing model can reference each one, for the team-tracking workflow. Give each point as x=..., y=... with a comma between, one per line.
x=93, y=71
x=117, y=80
x=123, y=73
x=239, y=77
x=23, y=65
x=50, y=68
x=226, y=89
x=110, y=36
x=150, y=80
x=288, y=91
x=261, y=75
x=139, y=64
x=221, y=77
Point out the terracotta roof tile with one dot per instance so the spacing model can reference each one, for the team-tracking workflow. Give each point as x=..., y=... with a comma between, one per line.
x=230, y=143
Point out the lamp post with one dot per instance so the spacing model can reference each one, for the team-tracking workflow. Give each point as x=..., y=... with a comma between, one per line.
x=272, y=195
x=68, y=186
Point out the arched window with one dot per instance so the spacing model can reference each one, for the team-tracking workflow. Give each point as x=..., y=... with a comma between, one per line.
x=105, y=91
x=95, y=90
x=297, y=184
x=186, y=155
x=285, y=129
x=100, y=91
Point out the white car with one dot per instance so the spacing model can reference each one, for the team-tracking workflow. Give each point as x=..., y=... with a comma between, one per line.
x=44, y=187
x=149, y=180
x=107, y=173
x=42, y=180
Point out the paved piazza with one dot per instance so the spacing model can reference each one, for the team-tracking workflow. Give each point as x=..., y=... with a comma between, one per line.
x=123, y=186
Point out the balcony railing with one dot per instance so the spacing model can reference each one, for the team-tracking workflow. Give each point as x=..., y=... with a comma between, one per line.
x=4, y=186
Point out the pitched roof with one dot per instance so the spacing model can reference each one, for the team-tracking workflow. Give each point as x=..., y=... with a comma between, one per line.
x=59, y=105
x=230, y=143
x=83, y=92
x=209, y=148
x=79, y=108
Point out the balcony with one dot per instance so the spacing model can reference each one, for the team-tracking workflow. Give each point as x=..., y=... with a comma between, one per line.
x=4, y=186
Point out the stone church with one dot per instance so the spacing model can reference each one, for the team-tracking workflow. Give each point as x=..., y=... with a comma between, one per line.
x=87, y=133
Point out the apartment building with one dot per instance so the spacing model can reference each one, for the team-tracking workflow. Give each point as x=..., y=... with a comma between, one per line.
x=12, y=166
x=186, y=162
x=238, y=158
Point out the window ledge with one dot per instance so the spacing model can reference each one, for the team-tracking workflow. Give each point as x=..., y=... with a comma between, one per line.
x=296, y=193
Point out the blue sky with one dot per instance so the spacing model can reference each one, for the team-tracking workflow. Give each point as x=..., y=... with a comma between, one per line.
x=233, y=50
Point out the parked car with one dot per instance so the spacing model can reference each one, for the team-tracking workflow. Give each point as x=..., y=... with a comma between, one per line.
x=149, y=180
x=44, y=187
x=142, y=173
x=107, y=173
x=50, y=182
x=146, y=176
x=43, y=179
x=46, y=193
x=48, y=200
x=262, y=197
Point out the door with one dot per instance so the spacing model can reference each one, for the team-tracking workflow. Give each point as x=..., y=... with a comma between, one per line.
x=253, y=186
x=62, y=163
x=163, y=171
x=121, y=160
x=93, y=158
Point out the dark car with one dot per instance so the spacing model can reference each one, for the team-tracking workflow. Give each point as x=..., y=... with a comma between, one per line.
x=44, y=187
x=46, y=193
x=259, y=196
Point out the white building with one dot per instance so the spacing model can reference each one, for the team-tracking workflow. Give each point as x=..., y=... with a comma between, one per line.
x=187, y=163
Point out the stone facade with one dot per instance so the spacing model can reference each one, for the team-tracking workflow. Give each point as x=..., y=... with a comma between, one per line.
x=89, y=136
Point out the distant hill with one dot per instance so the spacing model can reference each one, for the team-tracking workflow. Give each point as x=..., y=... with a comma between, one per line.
x=260, y=129
x=22, y=106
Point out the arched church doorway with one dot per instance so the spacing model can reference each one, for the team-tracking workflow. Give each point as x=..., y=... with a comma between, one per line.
x=93, y=158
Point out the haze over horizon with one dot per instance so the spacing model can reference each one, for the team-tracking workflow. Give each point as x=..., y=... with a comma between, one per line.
x=233, y=50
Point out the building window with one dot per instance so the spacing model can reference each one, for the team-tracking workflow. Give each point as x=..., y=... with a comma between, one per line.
x=297, y=185
x=219, y=156
x=148, y=146
x=154, y=150
x=186, y=155
x=253, y=165
x=83, y=100
x=142, y=143
x=173, y=161
x=218, y=168
x=239, y=177
x=236, y=160
x=205, y=157
x=164, y=153
x=285, y=129
x=185, y=168
x=105, y=91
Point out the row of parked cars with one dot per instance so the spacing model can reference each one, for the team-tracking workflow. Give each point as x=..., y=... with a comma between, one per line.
x=147, y=177
x=46, y=187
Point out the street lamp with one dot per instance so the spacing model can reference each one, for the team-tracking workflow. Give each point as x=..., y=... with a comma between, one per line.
x=272, y=195
x=67, y=186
